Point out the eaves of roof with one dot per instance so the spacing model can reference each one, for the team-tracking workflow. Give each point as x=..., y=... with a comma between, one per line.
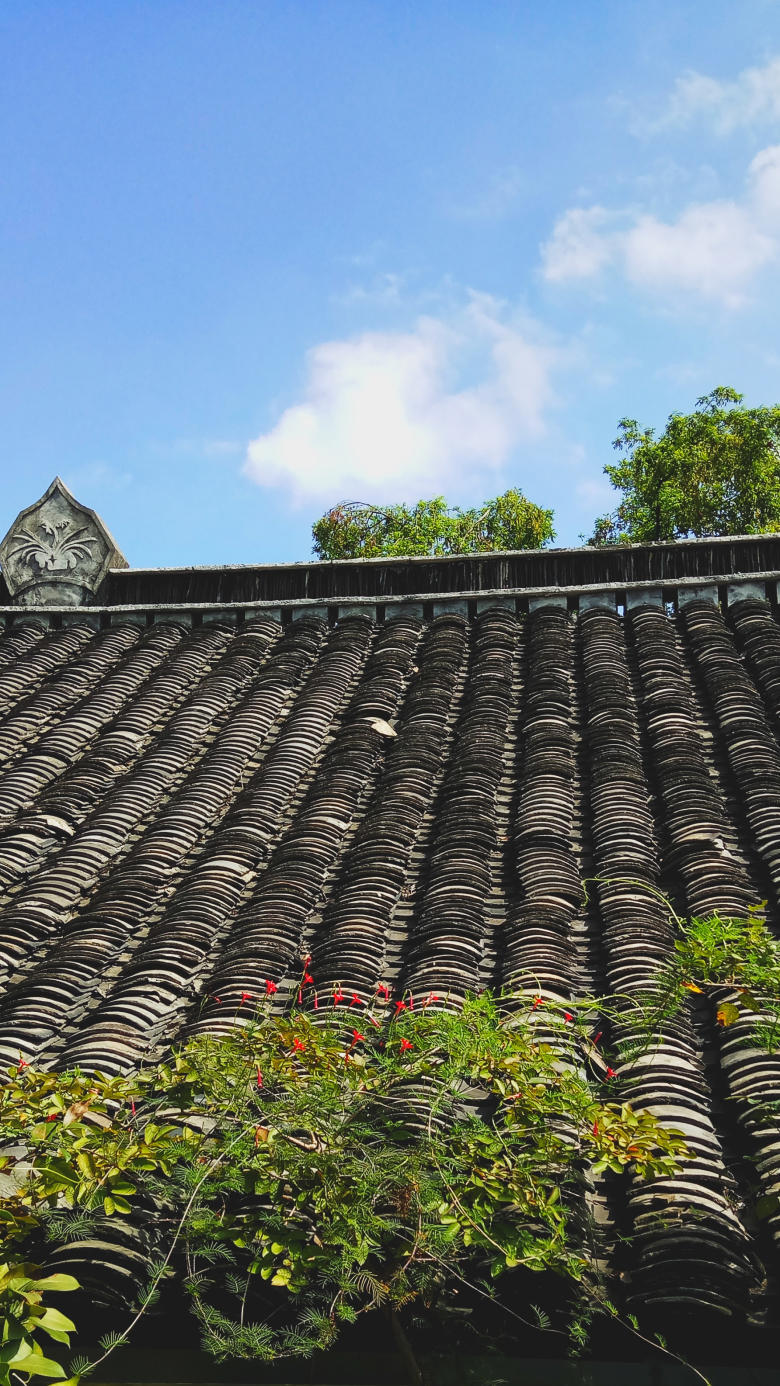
x=715, y=559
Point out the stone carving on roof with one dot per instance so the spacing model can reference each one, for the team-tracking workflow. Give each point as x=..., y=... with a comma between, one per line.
x=57, y=551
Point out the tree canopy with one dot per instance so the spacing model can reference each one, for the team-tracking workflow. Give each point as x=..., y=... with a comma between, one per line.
x=356, y=530
x=715, y=471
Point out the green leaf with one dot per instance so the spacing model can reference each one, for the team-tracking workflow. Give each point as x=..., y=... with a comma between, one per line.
x=57, y=1325
x=29, y=1359
x=61, y=1170
x=40, y=1366
x=58, y=1282
x=727, y=1013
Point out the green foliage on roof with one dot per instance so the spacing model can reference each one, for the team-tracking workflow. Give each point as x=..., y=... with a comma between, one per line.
x=319, y=1163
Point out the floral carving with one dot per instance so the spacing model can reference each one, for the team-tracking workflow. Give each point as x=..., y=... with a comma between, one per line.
x=55, y=550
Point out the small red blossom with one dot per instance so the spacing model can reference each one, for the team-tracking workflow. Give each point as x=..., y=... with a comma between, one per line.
x=430, y=998
x=595, y=1128
x=245, y=996
x=406, y=1044
x=356, y=1001
x=537, y=1001
x=411, y=1002
x=298, y=1044
x=259, y=1078
x=338, y=996
x=611, y=1073
x=270, y=987
x=307, y=979
x=567, y=1015
x=22, y=1064
x=383, y=990
x=400, y=1006
x=218, y=1000
x=597, y=1037
x=357, y=1038
x=132, y=1106
x=52, y=1116
x=316, y=1002
x=300, y=998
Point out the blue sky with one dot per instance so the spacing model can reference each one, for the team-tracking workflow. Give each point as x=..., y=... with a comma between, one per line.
x=257, y=258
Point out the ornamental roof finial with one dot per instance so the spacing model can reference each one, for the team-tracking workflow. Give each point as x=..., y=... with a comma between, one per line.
x=57, y=551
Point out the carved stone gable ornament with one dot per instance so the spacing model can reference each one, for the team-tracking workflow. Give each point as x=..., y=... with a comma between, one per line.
x=57, y=551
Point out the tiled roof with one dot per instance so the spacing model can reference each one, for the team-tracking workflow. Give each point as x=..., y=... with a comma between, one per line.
x=185, y=812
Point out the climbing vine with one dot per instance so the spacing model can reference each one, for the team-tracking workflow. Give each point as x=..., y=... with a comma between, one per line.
x=348, y=1154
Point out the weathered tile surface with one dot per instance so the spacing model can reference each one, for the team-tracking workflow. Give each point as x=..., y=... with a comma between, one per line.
x=186, y=812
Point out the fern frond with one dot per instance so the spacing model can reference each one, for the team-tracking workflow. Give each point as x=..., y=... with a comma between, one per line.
x=110, y=1341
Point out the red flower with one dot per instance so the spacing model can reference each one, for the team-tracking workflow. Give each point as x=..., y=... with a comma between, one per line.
x=245, y=996
x=358, y=1038
x=300, y=998
x=406, y=1044
x=316, y=1002
x=307, y=979
x=567, y=1015
x=537, y=1001
x=383, y=990
x=411, y=1002
x=338, y=995
x=259, y=1078
x=400, y=1006
x=22, y=1064
x=132, y=1106
x=270, y=987
x=611, y=1073
x=595, y=1128
x=218, y=1001
x=298, y=1044
x=356, y=1001
x=597, y=1037
x=52, y=1116
x=430, y=998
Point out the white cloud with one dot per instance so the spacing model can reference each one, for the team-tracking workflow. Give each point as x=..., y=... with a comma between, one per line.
x=395, y=415
x=752, y=98
x=580, y=245
x=764, y=183
x=712, y=249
